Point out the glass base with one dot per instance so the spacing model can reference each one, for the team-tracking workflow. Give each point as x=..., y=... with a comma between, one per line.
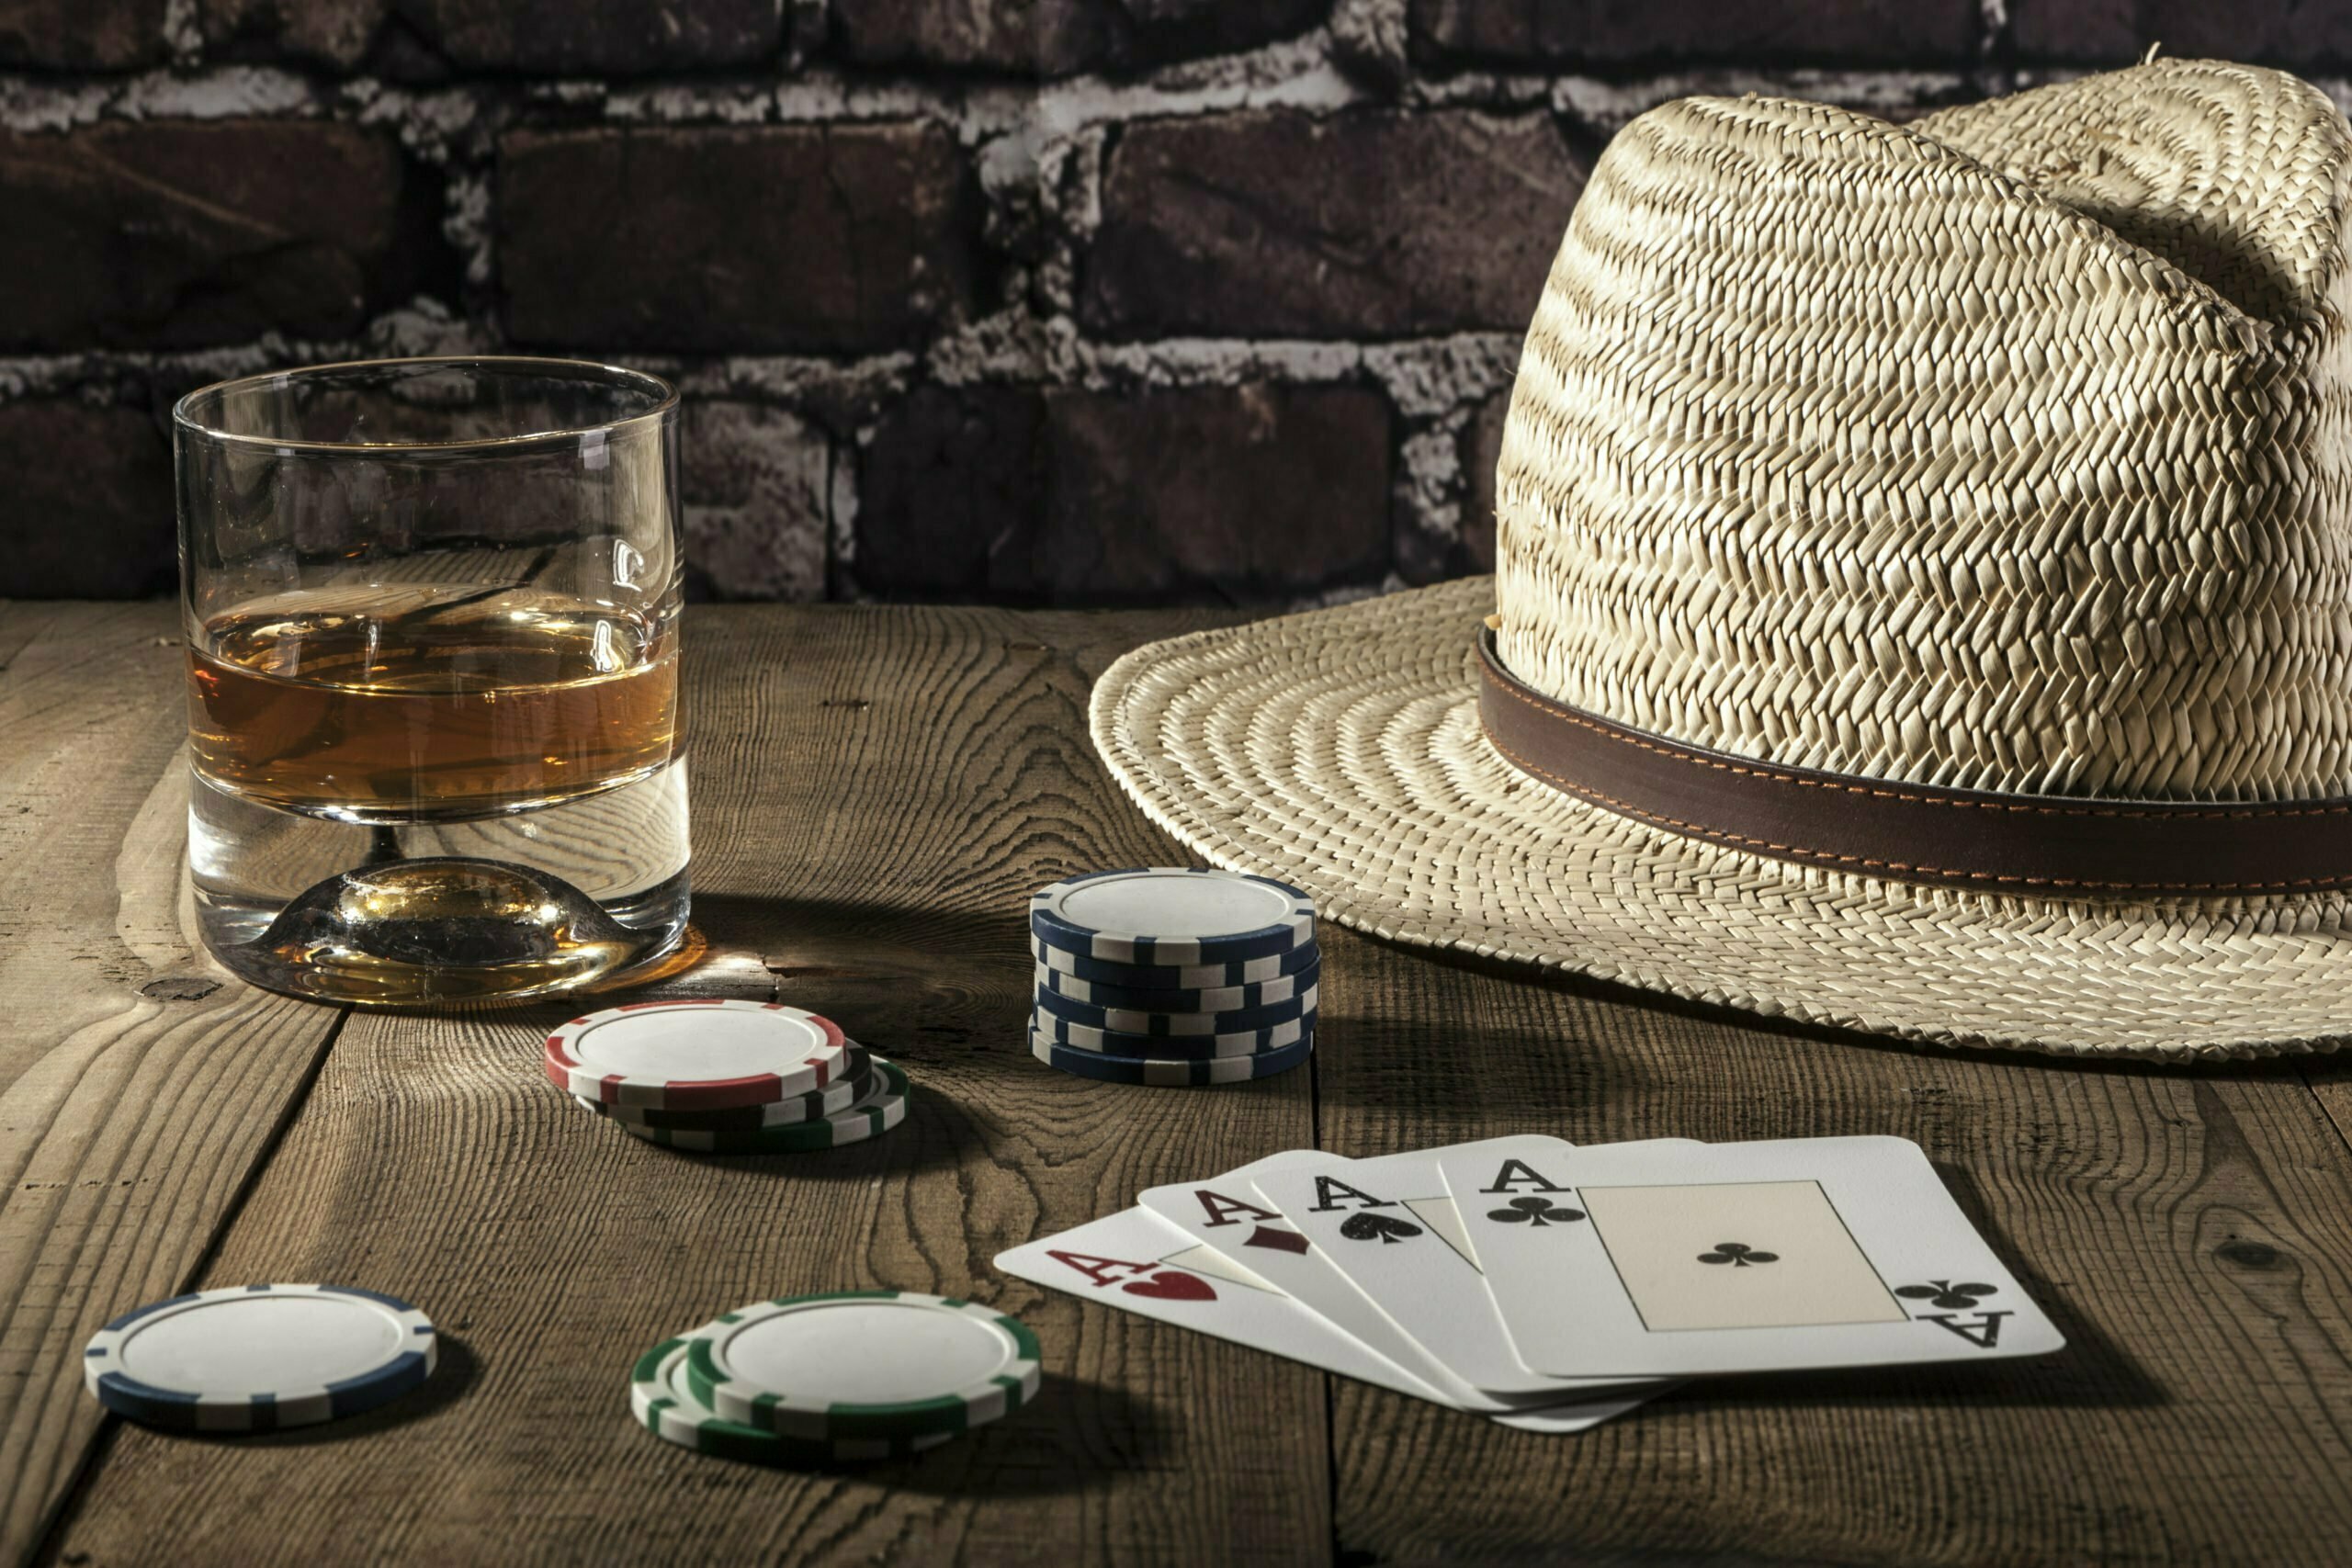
x=530, y=904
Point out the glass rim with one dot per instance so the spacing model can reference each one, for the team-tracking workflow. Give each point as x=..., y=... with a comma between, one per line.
x=184, y=417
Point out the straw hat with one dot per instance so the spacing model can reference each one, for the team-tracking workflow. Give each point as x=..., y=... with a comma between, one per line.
x=1924, y=593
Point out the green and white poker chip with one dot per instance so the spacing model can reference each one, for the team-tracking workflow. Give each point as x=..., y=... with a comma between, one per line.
x=663, y=1404
x=863, y=1365
x=881, y=1108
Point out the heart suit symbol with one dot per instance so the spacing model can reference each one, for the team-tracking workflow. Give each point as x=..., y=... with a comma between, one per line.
x=1171, y=1288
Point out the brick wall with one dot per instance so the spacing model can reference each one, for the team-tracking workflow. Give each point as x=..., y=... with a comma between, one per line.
x=1070, y=301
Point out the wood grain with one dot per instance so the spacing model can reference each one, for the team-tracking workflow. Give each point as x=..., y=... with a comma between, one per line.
x=874, y=796
x=136, y=1089
x=2190, y=1231
x=875, y=791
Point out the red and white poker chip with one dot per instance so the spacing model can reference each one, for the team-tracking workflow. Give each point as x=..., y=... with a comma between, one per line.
x=708, y=1055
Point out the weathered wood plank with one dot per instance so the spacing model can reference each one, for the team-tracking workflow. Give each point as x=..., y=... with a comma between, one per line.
x=2190, y=1231
x=875, y=791
x=875, y=796
x=131, y=1112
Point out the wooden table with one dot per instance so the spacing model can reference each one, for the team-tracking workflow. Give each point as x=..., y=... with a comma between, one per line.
x=875, y=791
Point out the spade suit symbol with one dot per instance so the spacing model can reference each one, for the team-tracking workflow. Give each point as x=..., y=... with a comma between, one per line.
x=1379, y=1227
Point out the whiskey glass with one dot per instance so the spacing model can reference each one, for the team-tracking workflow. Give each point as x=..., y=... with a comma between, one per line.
x=431, y=609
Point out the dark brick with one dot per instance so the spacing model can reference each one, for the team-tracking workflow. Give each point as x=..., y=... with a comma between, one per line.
x=90, y=492
x=1482, y=448
x=598, y=37
x=334, y=33
x=1222, y=494
x=735, y=239
x=2077, y=30
x=1371, y=224
x=171, y=233
x=2289, y=33
x=950, y=490
x=553, y=38
x=1055, y=38
x=755, y=490
x=1668, y=32
x=82, y=35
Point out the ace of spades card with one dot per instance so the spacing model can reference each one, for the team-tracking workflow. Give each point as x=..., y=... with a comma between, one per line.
x=1226, y=1213
x=1389, y=1227
x=1819, y=1252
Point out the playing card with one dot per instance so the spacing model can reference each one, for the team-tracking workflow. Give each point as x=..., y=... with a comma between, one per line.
x=1139, y=1263
x=1226, y=1213
x=1810, y=1252
x=1389, y=1227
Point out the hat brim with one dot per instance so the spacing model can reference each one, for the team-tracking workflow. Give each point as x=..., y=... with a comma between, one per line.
x=1339, y=750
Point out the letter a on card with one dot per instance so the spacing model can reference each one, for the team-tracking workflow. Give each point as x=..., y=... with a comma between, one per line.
x=1327, y=1191
x=1516, y=1173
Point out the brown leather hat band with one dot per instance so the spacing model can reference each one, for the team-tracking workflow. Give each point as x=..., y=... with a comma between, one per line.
x=2053, y=845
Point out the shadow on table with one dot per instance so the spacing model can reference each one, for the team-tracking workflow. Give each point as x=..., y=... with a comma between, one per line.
x=1075, y=1435
x=2091, y=1373
x=455, y=1372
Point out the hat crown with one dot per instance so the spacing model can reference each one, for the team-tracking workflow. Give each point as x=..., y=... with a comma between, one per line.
x=2008, y=451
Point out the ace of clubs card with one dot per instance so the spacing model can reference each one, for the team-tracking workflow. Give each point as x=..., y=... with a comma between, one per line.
x=1821, y=1252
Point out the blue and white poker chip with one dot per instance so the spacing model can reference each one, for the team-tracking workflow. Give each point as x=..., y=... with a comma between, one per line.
x=1177, y=1025
x=1164, y=915
x=1180, y=1047
x=1195, y=998
x=1175, y=976
x=258, y=1357
x=1170, y=1072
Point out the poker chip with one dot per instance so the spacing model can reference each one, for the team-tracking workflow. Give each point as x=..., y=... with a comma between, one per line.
x=1167, y=1072
x=697, y=1056
x=1175, y=1047
x=1188, y=999
x=837, y=1096
x=663, y=1404
x=863, y=1365
x=1172, y=915
x=258, y=1357
x=1175, y=976
x=1136, y=1021
x=881, y=1108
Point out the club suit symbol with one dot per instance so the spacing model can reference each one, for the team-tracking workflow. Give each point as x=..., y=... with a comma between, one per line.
x=1738, y=1254
x=1380, y=1227
x=1944, y=1293
x=1535, y=1212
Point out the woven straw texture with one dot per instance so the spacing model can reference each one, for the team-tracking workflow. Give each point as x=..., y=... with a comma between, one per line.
x=2008, y=451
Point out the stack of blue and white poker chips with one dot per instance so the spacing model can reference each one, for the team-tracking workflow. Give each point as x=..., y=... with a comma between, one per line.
x=1173, y=975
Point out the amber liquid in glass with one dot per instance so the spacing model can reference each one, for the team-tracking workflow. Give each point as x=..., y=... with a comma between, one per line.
x=424, y=705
